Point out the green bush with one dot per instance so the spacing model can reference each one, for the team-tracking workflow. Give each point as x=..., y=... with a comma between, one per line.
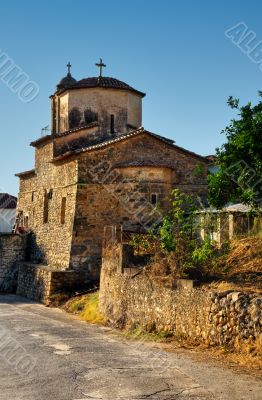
x=203, y=253
x=176, y=243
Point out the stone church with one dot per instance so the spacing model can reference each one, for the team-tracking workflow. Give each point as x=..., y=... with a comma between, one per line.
x=98, y=167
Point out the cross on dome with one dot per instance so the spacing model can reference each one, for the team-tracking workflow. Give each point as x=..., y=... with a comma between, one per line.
x=100, y=65
x=69, y=68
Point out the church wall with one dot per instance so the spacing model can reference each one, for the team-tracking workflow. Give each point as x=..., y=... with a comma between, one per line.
x=100, y=205
x=99, y=193
x=125, y=106
x=188, y=170
x=40, y=199
x=63, y=106
x=154, y=174
x=134, y=110
x=43, y=155
x=117, y=196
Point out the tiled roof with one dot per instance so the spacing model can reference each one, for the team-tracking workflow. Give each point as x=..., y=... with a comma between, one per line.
x=41, y=140
x=232, y=208
x=24, y=174
x=45, y=138
x=90, y=125
x=67, y=81
x=127, y=136
x=240, y=207
x=7, y=201
x=104, y=82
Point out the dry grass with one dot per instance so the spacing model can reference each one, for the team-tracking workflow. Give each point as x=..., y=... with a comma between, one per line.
x=86, y=307
x=244, y=355
x=146, y=334
x=244, y=262
x=223, y=286
x=239, y=269
x=245, y=255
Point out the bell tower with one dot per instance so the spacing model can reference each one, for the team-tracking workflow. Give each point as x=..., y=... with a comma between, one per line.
x=110, y=103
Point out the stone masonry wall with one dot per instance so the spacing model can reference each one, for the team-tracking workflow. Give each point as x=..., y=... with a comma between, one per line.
x=216, y=318
x=12, y=250
x=51, y=242
x=100, y=190
x=108, y=194
x=40, y=283
x=124, y=105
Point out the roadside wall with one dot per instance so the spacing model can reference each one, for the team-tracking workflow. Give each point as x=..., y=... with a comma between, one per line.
x=12, y=250
x=39, y=282
x=215, y=318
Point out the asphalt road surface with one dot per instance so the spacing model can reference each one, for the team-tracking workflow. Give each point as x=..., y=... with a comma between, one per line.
x=46, y=354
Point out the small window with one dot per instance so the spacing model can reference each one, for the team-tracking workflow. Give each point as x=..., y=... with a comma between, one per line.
x=154, y=199
x=26, y=221
x=46, y=208
x=112, y=123
x=63, y=210
x=50, y=194
x=32, y=197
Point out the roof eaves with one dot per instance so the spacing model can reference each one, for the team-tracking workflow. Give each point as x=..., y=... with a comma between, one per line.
x=26, y=173
x=99, y=145
x=65, y=133
x=41, y=140
x=136, y=132
x=61, y=91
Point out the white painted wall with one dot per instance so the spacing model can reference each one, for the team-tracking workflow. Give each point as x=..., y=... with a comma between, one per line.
x=7, y=220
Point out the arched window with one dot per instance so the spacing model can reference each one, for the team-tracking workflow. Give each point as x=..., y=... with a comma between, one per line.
x=90, y=116
x=74, y=118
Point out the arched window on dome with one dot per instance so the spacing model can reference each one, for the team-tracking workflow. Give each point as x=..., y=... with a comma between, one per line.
x=90, y=116
x=74, y=118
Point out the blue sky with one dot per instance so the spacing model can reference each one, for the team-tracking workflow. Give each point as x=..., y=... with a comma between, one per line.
x=175, y=51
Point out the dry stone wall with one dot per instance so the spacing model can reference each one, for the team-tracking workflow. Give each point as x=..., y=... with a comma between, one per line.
x=40, y=283
x=200, y=314
x=12, y=250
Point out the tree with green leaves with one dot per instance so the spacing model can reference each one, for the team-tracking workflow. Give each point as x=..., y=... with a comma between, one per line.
x=239, y=176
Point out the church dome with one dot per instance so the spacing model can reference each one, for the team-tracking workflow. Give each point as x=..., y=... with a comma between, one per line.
x=105, y=82
x=93, y=82
x=66, y=82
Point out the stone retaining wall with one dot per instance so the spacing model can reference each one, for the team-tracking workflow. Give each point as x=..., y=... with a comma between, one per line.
x=39, y=282
x=201, y=314
x=12, y=250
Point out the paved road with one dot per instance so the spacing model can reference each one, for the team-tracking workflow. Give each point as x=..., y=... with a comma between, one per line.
x=46, y=354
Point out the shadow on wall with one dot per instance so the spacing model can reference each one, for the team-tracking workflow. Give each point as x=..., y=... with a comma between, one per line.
x=78, y=118
x=13, y=250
